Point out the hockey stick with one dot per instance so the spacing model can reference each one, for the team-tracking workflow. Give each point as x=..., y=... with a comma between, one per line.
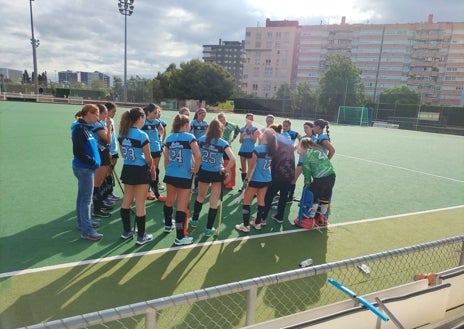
x=362, y=300
x=117, y=179
x=122, y=190
x=220, y=208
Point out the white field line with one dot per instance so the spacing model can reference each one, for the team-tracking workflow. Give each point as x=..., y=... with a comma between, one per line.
x=402, y=168
x=158, y=251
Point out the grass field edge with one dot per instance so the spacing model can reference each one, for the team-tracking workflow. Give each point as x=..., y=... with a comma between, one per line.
x=208, y=243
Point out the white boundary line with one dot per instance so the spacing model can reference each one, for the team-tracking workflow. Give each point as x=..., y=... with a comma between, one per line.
x=402, y=168
x=158, y=251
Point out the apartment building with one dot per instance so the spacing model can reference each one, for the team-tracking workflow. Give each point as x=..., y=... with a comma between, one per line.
x=270, y=57
x=11, y=75
x=426, y=56
x=84, y=77
x=228, y=54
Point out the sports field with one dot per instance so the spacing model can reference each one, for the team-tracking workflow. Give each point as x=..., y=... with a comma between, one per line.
x=380, y=173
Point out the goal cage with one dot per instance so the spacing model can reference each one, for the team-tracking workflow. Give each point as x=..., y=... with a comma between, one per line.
x=353, y=115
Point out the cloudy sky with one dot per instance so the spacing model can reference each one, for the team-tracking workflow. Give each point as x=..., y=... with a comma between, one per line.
x=88, y=35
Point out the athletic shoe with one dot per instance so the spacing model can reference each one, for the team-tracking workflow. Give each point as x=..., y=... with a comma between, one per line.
x=168, y=229
x=243, y=228
x=113, y=197
x=277, y=219
x=209, y=231
x=321, y=220
x=95, y=224
x=162, y=198
x=101, y=214
x=106, y=208
x=108, y=203
x=263, y=222
x=161, y=187
x=144, y=239
x=184, y=241
x=92, y=236
x=193, y=223
x=150, y=196
x=256, y=226
x=306, y=223
x=126, y=235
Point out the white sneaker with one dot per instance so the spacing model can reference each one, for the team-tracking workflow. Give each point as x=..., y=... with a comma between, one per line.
x=256, y=226
x=184, y=241
x=243, y=228
x=145, y=239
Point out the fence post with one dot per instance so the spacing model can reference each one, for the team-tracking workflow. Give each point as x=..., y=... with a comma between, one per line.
x=150, y=320
x=251, y=305
x=461, y=259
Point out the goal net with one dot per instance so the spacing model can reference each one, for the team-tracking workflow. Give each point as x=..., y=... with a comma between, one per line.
x=75, y=100
x=353, y=115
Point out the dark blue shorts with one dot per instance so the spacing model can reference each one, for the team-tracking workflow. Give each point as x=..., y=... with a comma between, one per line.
x=209, y=176
x=105, y=157
x=135, y=175
x=246, y=155
x=178, y=182
x=258, y=184
x=156, y=154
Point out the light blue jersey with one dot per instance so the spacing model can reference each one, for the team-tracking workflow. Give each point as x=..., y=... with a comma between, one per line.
x=247, y=142
x=211, y=155
x=132, y=147
x=197, y=128
x=262, y=172
x=179, y=155
x=96, y=127
x=320, y=138
x=113, y=143
x=301, y=157
x=151, y=128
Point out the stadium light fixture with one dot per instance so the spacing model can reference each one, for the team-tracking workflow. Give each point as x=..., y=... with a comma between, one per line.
x=35, y=43
x=126, y=8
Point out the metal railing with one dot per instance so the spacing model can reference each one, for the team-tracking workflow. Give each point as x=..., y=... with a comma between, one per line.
x=269, y=297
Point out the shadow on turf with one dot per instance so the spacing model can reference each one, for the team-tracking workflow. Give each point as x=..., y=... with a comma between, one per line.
x=253, y=258
x=83, y=289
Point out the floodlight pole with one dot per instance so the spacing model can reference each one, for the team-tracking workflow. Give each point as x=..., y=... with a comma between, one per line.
x=35, y=44
x=126, y=8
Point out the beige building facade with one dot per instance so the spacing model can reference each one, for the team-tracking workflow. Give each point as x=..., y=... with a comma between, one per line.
x=427, y=56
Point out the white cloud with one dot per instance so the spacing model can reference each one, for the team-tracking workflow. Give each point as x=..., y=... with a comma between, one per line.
x=85, y=35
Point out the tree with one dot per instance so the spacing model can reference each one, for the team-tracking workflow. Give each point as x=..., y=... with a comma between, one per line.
x=340, y=85
x=168, y=82
x=118, y=88
x=140, y=89
x=25, y=79
x=399, y=95
x=304, y=99
x=196, y=80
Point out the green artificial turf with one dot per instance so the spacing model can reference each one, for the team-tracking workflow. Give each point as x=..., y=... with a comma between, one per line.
x=380, y=172
x=77, y=289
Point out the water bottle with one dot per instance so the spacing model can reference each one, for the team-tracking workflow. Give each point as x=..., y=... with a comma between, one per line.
x=306, y=262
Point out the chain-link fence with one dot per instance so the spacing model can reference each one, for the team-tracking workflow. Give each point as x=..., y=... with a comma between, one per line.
x=269, y=297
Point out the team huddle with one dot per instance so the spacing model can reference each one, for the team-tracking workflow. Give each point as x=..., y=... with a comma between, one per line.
x=197, y=159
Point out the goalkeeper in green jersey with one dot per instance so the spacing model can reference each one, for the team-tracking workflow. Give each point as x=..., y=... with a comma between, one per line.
x=319, y=176
x=231, y=131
